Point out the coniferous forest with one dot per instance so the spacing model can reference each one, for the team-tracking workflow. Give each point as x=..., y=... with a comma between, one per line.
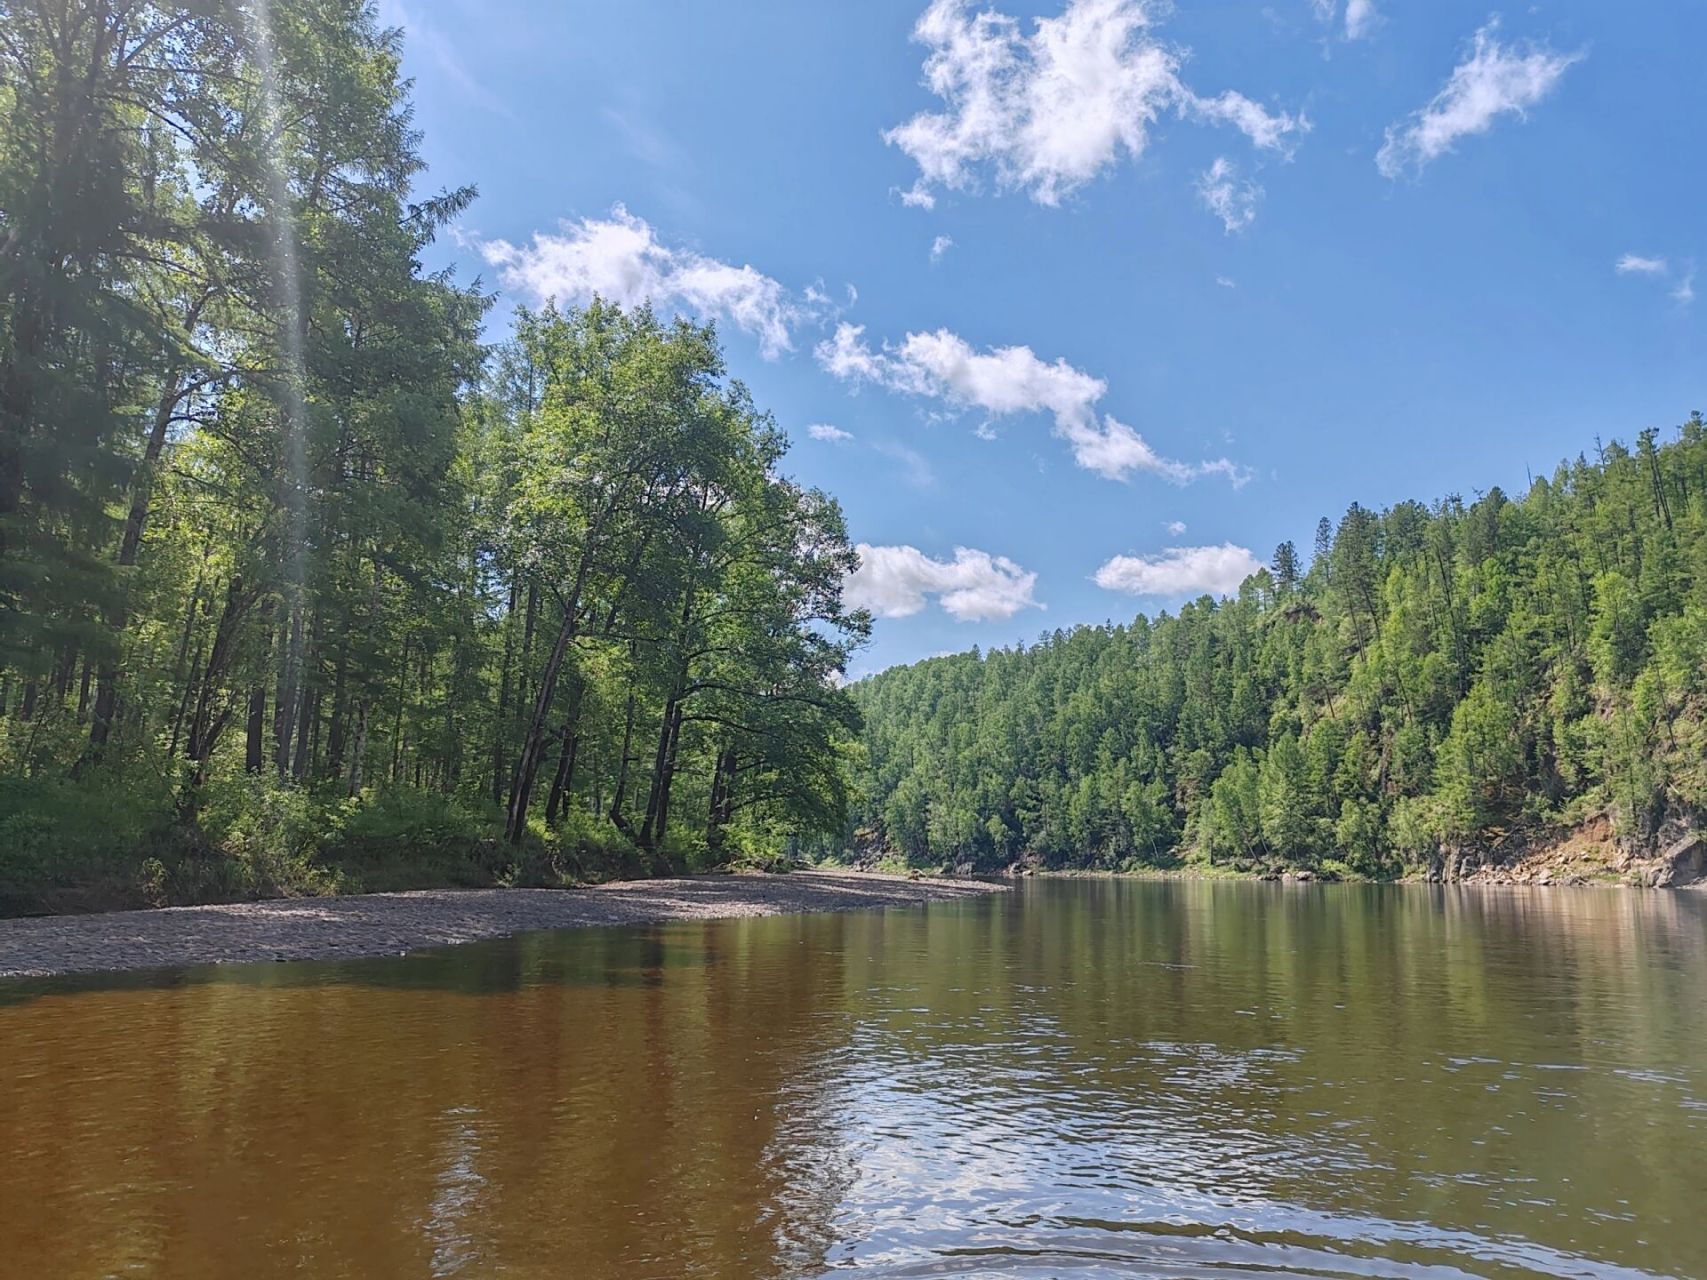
x=304, y=586
x=301, y=587
x=1426, y=685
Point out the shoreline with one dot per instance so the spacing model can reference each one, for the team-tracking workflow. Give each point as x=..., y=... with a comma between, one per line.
x=368, y=925
x=1495, y=879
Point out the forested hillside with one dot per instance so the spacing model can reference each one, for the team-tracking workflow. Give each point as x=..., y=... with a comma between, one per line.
x=299, y=585
x=1438, y=680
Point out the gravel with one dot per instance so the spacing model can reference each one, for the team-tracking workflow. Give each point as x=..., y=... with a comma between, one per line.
x=338, y=928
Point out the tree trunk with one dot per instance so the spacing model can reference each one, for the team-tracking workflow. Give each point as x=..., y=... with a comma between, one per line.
x=564, y=777
x=360, y=753
x=533, y=745
x=335, y=731
x=285, y=703
x=500, y=732
x=130, y=545
x=83, y=692
x=722, y=806
x=619, y=820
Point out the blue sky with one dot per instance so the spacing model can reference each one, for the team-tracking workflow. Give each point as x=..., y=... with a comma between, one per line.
x=1190, y=277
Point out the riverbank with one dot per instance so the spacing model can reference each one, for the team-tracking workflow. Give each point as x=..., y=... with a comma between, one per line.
x=341, y=928
x=1587, y=855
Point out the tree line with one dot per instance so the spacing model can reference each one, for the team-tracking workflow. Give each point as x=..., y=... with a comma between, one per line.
x=1431, y=682
x=291, y=563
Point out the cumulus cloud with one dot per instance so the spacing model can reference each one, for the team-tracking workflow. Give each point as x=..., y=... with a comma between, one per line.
x=621, y=259
x=940, y=246
x=1007, y=380
x=1494, y=80
x=1180, y=571
x=1176, y=527
x=827, y=433
x=1229, y=199
x=1049, y=110
x=893, y=582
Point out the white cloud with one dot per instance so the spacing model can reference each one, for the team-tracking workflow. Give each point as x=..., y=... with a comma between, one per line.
x=1007, y=380
x=1226, y=282
x=1050, y=110
x=1492, y=81
x=829, y=434
x=1635, y=264
x=622, y=260
x=1180, y=571
x=1232, y=201
x=845, y=355
x=893, y=582
x=1360, y=18
x=918, y=196
x=940, y=246
x=1176, y=527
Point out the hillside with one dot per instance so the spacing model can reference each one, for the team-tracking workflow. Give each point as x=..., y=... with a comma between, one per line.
x=1442, y=687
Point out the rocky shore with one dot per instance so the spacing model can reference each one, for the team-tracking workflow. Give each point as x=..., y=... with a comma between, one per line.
x=341, y=928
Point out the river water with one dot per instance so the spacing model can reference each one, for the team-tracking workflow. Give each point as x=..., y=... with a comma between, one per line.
x=1079, y=1079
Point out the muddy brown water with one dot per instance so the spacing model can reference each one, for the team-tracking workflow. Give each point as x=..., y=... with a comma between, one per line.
x=1079, y=1079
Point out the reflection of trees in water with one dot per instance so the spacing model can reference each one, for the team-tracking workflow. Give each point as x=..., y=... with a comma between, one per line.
x=600, y=1103
x=1297, y=1060
x=773, y=1097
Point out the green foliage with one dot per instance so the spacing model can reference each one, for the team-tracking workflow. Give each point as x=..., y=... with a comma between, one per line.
x=1435, y=678
x=340, y=597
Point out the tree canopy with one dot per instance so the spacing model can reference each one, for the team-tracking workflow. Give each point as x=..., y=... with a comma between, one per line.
x=1438, y=677
x=291, y=564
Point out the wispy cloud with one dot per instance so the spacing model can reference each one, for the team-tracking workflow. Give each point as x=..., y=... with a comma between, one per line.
x=1360, y=18
x=940, y=246
x=1049, y=110
x=1492, y=81
x=621, y=259
x=895, y=581
x=1229, y=199
x=916, y=469
x=422, y=36
x=1635, y=264
x=1180, y=571
x=944, y=367
x=829, y=434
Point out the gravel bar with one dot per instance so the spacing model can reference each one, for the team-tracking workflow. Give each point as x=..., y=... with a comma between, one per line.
x=337, y=928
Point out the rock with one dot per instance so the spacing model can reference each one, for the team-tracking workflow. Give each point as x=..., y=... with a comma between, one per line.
x=1685, y=862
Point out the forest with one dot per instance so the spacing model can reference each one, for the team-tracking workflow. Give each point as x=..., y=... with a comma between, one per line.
x=305, y=587
x=301, y=586
x=1435, y=682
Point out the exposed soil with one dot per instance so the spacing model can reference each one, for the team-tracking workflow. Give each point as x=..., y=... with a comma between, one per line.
x=1588, y=854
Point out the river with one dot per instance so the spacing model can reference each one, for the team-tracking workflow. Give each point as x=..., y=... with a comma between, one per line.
x=1079, y=1079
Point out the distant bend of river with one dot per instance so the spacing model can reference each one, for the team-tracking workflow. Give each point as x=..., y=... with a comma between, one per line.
x=1199, y=1081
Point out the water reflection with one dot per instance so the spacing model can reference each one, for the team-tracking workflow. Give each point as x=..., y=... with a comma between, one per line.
x=1089, y=1078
